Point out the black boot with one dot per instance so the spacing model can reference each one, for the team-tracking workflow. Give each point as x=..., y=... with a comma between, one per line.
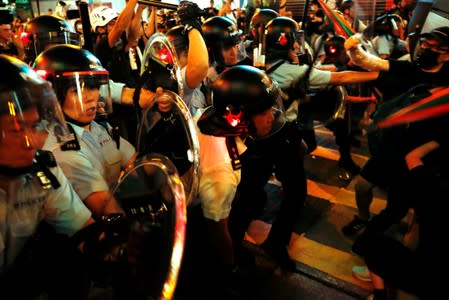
x=349, y=165
x=280, y=254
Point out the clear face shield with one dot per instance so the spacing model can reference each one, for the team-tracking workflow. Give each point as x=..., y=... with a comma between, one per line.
x=35, y=44
x=84, y=94
x=160, y=67
x=268, y=122
x=233, y=49
x=299, y=42
x=26, y=116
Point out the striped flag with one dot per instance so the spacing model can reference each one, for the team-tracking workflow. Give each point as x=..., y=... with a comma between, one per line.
x=432, y=106
x=341, y=26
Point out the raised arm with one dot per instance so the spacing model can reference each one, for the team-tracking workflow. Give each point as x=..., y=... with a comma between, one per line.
x=134, y=29
x=197, y=59
x=362, y=58
x=122, y=23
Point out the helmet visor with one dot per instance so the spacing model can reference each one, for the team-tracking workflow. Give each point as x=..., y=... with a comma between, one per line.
x=160, y=67
x=35, y=44
x=232, y=40
x=84, y=94
x=268, y=122
x=26, y=116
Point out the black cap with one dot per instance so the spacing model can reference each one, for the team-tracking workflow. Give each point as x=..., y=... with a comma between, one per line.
x=441, y=34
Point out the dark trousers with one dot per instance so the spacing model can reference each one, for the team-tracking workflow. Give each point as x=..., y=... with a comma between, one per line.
x=282, y=154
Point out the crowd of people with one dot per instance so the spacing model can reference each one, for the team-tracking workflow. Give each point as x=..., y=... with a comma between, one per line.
x=252, y=82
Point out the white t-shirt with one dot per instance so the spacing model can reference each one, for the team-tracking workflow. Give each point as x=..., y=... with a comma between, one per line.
x=218, y=180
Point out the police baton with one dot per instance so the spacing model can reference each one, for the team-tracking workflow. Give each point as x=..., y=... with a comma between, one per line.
x=87, y=29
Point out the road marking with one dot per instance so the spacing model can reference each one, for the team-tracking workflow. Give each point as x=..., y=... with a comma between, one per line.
x=327, y=259
x=339, y=195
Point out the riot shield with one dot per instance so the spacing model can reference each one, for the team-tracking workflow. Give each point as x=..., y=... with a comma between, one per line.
x=160, y=67
x=152, y=195
x=167, y=128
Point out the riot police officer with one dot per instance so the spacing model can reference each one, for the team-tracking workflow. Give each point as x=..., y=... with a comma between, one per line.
x=225, y=48
x=35, y=256
x=96, y=155
x=44, y=31
x=224, y=43
x=246, y=102
x=298, y=79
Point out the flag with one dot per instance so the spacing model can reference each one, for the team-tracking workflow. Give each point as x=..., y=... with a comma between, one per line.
x=341, y=26
x=432, y=106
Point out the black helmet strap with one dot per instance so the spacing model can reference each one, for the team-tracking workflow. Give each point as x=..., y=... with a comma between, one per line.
x=233, y=152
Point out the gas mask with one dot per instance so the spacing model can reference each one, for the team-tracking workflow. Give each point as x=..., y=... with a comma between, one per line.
x=426, y=58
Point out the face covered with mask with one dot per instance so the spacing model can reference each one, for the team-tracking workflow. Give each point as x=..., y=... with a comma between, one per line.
x=434, y=49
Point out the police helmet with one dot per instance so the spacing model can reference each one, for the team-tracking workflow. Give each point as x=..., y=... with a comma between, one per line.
x=387, y=24
x=179, y=38
x=21, y=90
x=220, y=33
x=258, y=21
x=281, y=33
x=334, y=46
x=47, y=30
x=72, y=68
x=160, y=67
x=239, y=93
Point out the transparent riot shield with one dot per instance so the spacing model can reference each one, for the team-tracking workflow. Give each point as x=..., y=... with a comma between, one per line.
x=152, y=195
x=160, y=67
x=167, y=128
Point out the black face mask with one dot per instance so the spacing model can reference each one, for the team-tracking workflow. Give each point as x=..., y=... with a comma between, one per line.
x=426, y=58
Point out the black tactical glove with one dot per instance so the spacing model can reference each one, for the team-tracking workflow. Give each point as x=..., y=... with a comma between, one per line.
x=189, y=15
x=105, y=238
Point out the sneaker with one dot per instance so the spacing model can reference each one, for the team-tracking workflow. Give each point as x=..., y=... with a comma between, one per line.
x=354, y=226
x=361, y=273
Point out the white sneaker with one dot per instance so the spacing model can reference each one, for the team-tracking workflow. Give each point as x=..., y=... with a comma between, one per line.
x=361, y=273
